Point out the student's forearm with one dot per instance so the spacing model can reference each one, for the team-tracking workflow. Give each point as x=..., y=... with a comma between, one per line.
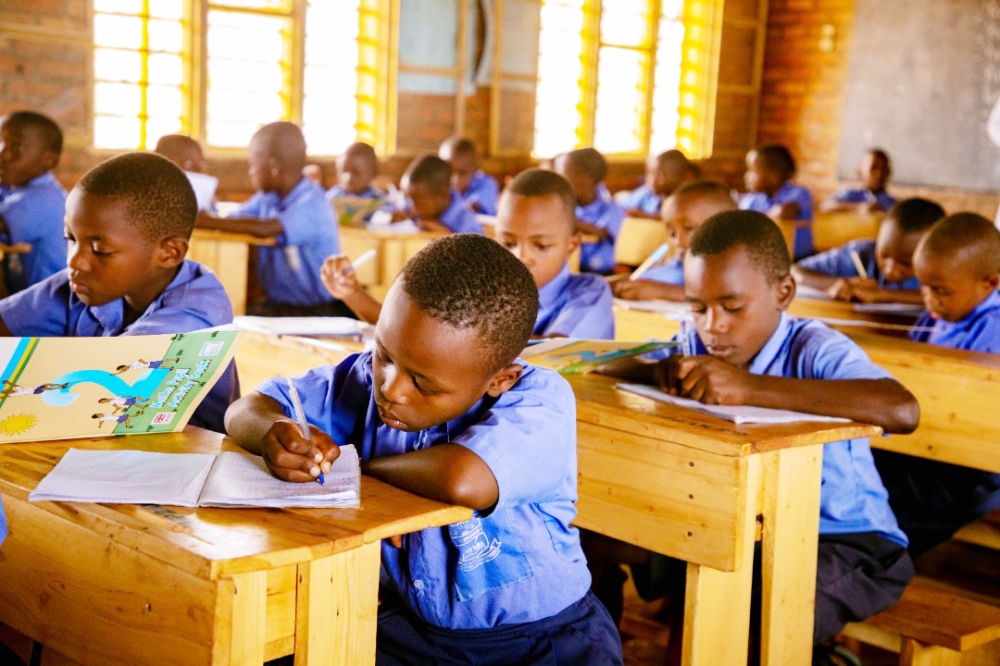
x=909, y=296
x=434, y=225
x=364, y=306
x=448, y=473
x=592, y=229
x=249, y=419
x=630, y=369
x=261, y=228
x=813, y=279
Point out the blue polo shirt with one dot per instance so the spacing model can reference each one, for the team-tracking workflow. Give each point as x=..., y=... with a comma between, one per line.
x=35, y=213
x=484, y=191
x=193, y=300
x=862, y=195
x=642, y=198
x=459, y=218
x=670, y=271
x=788, y=193
x=520, y=562
x=576, y=306
x=977, y=331
x=3, y=524
x=852, y=498
x=289, y=271
x=600, y=257
x=838, y=263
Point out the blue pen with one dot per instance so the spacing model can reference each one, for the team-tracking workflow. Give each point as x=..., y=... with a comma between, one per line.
x=652, y=260
x=301, y=416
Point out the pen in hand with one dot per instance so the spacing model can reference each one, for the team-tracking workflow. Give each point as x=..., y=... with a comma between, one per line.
x=303, y=424
x=365, y=257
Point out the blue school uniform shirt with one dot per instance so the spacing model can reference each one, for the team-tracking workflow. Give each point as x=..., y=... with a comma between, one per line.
x=642, y=198
x=787, y=193
x=860, y=195
x=977, y=331
x=669, y=272
x=838, y=262
x=289, y=271
x=35, y=213
x=3, y=524
x=852, y=497
x=458, y=218
x=600, y=257
x=193, y=300
x=519, y=562
x=576, y=306
x=482, y=190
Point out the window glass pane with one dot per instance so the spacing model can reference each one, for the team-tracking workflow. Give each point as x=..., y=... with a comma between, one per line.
x=328, y=124
x=117, y=65
x=121, y=31
x=163, y=101
x=166, y=69
x=337, y=81
x=117, y=99
x=666, y=94
x=230, y=134
x=166, y=36
x=245, y=106
x=131, y=7
x=558, y=98
x=348, y=5
x=116, y=133
x=241, y=75
x=278, y=5
x=330, y=77
x=618, y=119
x=245, y=37
x=625, y=24
x=157, y=127
x=167, y=9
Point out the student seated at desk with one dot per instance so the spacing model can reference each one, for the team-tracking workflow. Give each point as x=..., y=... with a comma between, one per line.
x=356, y=171
x=292, y=208
x=444, y=408
x=958, y=263
x=683, y=212
x=186, y=153
x=128, y=222
x=887, y=261
x=874, y=172
x=479, y=190
x=770, y=169
x=664, y=174
x=32, y=202
x=748, y=351
x=434, y=204
x=596, y=215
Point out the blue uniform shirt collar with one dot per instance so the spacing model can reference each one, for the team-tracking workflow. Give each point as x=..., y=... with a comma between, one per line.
x=548, y=295
x=280, y=204
x=111, y=315
x=770, y=353
x=991, y=302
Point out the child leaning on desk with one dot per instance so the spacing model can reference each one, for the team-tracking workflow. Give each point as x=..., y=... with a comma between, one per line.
x=478, y=189
x=874, y=271
x=443, y=407
x=128, y=222
x=958, y=263
x=434, y=204
x=770, y=190
x=596, y=215
x=874, y=172
x=748, y=351
x=664, y=174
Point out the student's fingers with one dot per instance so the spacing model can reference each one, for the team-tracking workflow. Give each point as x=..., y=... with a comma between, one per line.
x=396, y=541
x=286, y=449
x=665, y=374
x=624, y=289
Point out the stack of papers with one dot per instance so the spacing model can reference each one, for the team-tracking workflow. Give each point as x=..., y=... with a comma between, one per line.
x=323, y=326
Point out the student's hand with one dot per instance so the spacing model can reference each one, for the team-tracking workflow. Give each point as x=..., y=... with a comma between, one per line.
x=338, y=277
x=635, y=290
x=853, y=289
x=291, y=457
x=401, y=215
x=706, y=379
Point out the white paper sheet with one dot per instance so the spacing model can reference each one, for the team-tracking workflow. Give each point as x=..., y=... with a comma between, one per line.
x=332, y=326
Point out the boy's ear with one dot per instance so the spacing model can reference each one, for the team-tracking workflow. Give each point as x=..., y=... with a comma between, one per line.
x=171, y=251
x=504, y=379
x=993, y=280
x=51, y=160
x=785, y=290
x=574, y=241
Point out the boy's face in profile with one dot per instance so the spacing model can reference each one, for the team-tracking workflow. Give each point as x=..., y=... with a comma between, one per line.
x=584, y=187
x=758, y=178
x=736, y=308
x=428, y=204
x=23, y=154
x=538, y=232
x=874, y=172
x=950, y=288
x=261, y=167
x=894, y=251
x=354, y=173
x=425, y=371
x=463, y=168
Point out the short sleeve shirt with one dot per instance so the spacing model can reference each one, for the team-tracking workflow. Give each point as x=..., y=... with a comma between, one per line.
x=788, y=193
x=459, y=218
x=977, y=331
x=599, y=257
x=644, y=199
x=861, y=195
x=576, y=306
x=484, y=191
x=838, y=262
x=669, y=272
x=35, y=214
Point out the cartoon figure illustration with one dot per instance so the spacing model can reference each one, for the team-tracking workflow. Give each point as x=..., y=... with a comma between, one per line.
x=101, y=418
x=143, y=365
x=122, y=403
x=11, y=390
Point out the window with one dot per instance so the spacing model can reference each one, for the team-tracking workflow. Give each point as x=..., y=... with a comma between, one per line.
x=644, y=76
x=250, y=63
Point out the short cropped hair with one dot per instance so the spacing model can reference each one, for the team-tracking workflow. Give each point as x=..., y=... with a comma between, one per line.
x=156, y=193
x=915, y=215
x=675, y=160
x=754, y=231
x=52, y=136
x=777, y=158
x=459, y=147
x=705, y=190
x=542, y=183
x=364, y=152
x=430, y=171
x=969, y=236
x=284, y=142
x=589, y=162
x=879, y=152
x=469, y=281
x=178, y=148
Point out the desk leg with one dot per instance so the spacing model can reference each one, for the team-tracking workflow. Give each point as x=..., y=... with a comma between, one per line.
x=717, y=603
x=790, y=536
x=337, y=608
x=249, y=619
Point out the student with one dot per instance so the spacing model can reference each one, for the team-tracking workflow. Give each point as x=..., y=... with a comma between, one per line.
x=683, y=212
x=293, y=209
x=770, y=168
x=749, y=351
x=479, y=190
x=32, y=202
x=874, y=172
x=128, y=222
x=443, y=408
x=434, y=203
x=356, y=171
x=958, y=263
x=585, y=170
x=664, y=174
x=186, y=153
x=887, y=260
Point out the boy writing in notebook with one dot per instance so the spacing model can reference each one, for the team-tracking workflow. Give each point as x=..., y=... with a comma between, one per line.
x=683, y=212
x=443, y=407
x=32, y=202
x=770, y=190
x=293, y=210
x=434, y=204
x=958, y=263
x=128, y=222
x=664, y=174
x=478, y=190
x=874, y=171
x=748, y=351
x=874, y=271
x=596, y=216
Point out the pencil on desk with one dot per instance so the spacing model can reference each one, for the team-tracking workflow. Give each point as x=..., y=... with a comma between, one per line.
x=859, y=266
x=657, y=255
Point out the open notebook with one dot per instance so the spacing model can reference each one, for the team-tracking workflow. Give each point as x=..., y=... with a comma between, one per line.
x=226, y=479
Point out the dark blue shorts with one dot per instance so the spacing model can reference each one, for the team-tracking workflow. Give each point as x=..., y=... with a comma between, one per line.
x=581, y=634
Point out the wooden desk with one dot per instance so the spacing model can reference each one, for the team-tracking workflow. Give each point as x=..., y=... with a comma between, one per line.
x=153, y=585
x=227, y=254
x=834, y=228
x=260, y=356
x=694, y=487
x=392, y=251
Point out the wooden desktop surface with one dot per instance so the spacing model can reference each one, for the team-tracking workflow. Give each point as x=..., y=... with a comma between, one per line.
x=149, y=584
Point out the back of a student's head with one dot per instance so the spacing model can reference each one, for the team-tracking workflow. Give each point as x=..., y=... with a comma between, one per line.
x=534, y=186
x=584, y=168
x=40, y=141
x=282, y=144
x=898, y=234
x=776, y=159
x=671, y=169
x=469, y=281
x=753, y=232
x=914, y=215
x=691, y=205
x=181, y=150
x=429, y=171
x=155, y=194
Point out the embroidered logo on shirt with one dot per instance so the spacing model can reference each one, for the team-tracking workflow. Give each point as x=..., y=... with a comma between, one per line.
x=474, y=547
